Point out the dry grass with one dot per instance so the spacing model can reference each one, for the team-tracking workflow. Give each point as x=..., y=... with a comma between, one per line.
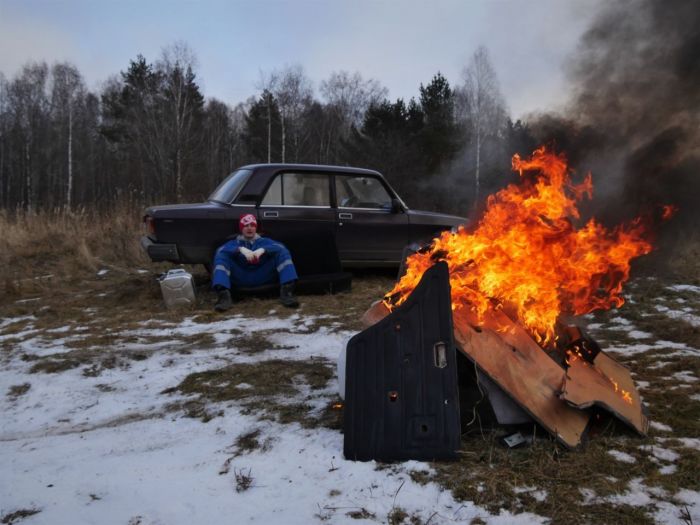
x=73, y=247
x=60, y=245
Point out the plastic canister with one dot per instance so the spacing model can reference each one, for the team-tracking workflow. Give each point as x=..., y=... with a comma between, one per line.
x=177, y=287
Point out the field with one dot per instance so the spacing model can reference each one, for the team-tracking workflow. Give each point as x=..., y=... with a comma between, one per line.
x=116, y=410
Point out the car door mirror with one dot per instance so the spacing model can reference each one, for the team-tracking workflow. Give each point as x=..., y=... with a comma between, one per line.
x=396, y=206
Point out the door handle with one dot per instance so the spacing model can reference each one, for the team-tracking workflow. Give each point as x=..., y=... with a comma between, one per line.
x=345, y=215
x=270, y=214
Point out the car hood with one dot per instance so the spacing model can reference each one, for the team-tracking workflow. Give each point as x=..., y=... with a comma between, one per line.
x=434, y=218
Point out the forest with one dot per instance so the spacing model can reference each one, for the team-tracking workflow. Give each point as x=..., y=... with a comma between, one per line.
x=150, y=134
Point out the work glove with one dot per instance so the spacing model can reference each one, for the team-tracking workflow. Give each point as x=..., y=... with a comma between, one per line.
x=257, y=254
x=248, y=254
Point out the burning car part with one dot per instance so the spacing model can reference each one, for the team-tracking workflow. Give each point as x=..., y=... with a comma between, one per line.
x=512, y=276
x=521, y=380
x=401, y=399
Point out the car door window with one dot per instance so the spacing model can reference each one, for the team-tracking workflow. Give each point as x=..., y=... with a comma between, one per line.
x=273, y=197
x=298, y=189
x=361, y=192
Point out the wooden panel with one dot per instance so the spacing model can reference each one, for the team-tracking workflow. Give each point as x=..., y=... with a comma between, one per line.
x=588, y=385
x=374, y=314
x=509, y=356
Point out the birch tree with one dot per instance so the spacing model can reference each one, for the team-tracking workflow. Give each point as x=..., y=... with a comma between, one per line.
x=268, y=84
x=485, y=106
x=292, y=89
x=182, y=108
x=66, y=94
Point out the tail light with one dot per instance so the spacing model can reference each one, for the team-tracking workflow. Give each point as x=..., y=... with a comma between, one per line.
x=149, y=225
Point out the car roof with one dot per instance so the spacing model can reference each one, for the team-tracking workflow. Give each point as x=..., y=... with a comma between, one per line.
x=263, y=174
x=310, y=167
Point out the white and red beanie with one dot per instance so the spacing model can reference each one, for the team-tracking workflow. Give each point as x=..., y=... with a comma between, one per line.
x=246, y=220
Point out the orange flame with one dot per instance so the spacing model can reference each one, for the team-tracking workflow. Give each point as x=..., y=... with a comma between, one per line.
x=668, y=211
x=526, y=254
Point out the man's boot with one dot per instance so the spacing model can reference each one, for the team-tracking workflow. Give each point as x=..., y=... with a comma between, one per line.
x=287, y=297
x=224, y=301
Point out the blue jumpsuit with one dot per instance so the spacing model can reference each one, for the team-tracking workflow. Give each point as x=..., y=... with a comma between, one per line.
x=232, y=268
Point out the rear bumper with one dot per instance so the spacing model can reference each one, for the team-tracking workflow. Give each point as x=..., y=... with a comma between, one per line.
x=159, y=252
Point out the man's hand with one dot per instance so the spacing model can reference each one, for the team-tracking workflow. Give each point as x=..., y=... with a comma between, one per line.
x=253, y=257
x=248, y=254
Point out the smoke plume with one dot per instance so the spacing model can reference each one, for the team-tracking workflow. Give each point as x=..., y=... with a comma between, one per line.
x=634, y=115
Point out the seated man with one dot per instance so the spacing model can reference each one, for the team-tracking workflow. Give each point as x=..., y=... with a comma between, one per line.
x=251, y=260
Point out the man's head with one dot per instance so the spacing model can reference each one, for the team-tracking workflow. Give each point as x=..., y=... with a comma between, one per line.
x=248, y=225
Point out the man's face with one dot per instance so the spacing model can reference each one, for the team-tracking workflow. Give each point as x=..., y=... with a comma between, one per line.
x=249, y=230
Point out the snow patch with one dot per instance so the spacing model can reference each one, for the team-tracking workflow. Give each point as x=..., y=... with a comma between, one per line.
x=624, y=457
x=684, y=288
x=638, y=334
x=660, y=426
x=685, y=375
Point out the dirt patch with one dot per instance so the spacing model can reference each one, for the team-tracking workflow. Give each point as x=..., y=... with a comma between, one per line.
x=264, y=388
x=16, y=391
x=248, y=442
x=362, y=514
x=18, y=515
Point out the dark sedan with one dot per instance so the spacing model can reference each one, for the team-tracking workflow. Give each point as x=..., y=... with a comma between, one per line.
x=298, y=205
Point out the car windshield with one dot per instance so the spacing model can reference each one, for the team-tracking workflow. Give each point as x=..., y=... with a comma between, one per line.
x=229, y=188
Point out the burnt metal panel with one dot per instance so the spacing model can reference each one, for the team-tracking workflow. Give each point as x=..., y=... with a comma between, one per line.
x=401, y=397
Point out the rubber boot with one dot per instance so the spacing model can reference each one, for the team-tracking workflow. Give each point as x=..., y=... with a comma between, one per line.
x=224, y=301
x=287, y=297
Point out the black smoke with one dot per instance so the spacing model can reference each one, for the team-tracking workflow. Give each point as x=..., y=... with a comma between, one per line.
x=634, y=113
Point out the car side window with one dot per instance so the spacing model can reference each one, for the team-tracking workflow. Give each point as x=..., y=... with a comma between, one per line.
x=298, y=189
x=361, y=192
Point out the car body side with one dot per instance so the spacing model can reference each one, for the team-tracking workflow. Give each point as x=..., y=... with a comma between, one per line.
x=364, y=236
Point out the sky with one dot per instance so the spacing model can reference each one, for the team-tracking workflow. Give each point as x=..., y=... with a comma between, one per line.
x=402, y=44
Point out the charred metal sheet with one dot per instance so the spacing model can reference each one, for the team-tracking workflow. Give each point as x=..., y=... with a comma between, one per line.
x=506, y=411
x=401, y=396
x=607, y=384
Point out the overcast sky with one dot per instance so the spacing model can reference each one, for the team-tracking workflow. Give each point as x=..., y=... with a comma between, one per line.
x=401, y=43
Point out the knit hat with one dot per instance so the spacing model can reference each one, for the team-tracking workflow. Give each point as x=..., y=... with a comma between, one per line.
x=246, y=220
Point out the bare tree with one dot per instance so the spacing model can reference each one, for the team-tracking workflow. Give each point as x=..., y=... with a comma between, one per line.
x=347, y=97
x=182, y=105
x=268, y=84
x=293, y=92
x=350, y=95
x=67, y=92
x=28, y=105
x=485, y=106
x=4, y=176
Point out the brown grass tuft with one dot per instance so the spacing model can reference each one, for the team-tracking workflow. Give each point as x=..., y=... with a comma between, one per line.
x=66, y=244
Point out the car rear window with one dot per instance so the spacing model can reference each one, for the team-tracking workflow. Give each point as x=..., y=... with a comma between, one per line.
x=298, y=189
x=230, y=187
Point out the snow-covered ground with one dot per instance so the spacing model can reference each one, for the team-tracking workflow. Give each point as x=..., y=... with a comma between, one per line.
x=106, y=446
x=105, y=449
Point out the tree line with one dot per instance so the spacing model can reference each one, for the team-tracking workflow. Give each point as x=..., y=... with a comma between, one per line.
x=150, y=134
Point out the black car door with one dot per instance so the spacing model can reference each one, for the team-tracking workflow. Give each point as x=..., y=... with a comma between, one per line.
x=296, y=210
x=368, y=229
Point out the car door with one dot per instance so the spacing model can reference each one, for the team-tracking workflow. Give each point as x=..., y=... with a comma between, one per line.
x=296, y=210
x=369, y=229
